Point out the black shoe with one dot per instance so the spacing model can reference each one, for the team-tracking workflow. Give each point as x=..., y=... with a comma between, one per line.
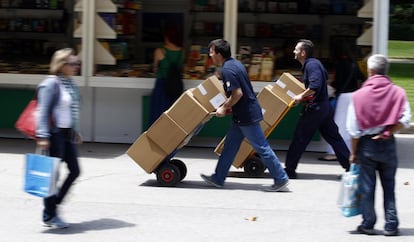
x=291, y=174
x=362, y=230
x=328, y=158
x=395, y=232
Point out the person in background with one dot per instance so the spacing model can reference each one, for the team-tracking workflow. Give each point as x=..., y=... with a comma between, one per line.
x=247, y=115
x=348, y=78
x=170, y=54
x=317, y=113
x=377, y=110
x=58, y=125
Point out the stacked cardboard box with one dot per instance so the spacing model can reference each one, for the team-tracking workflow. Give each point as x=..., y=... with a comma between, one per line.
x=287, y=87
x=177, y=125
x=275, y=101
x=146, y=153
x=210, y=93
x=272, y=105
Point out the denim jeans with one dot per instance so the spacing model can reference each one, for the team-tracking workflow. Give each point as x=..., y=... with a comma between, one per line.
x=256, y=138
x=62, y=145
x=381, y=156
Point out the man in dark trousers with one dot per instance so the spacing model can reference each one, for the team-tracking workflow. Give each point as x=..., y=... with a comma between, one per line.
x=317, y=114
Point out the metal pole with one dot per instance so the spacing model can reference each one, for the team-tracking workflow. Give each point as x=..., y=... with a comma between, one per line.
x=381, y=26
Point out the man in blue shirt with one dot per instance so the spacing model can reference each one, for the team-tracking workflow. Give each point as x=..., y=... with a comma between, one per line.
x=317, y=113
x=247, y=114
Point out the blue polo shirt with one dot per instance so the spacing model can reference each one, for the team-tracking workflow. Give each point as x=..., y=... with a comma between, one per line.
x=247, y=110
x=315, y=78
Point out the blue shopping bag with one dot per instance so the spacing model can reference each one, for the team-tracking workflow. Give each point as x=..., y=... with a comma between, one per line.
x=349, y=199
x=41, y=175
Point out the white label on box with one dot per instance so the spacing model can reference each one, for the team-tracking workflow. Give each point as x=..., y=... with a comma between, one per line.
x=263, y=111
x=202, y=89
x=290, y=93
x=217, y=100
x=281, y=84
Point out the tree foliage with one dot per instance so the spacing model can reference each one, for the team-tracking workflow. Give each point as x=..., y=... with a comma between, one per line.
x=401, y=11
x=401, y=20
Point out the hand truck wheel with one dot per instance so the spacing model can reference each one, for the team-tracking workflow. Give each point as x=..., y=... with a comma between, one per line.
x=181, y=166
x=254, y=166
x=168, y=175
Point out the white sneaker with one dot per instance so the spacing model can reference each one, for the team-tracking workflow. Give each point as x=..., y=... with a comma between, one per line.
x=56, y=222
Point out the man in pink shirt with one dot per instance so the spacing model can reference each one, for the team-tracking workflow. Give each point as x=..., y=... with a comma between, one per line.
x=377, y=110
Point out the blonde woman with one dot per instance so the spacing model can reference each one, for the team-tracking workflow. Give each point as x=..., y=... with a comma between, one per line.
x=58, y=125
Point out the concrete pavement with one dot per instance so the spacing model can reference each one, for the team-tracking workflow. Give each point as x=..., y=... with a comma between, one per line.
x=115, y=200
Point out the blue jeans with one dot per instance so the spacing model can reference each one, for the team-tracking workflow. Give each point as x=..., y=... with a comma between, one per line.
x=256, y=138
x=381, y=156
x=62, y=146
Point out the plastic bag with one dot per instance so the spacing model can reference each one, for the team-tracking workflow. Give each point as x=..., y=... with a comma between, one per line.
x=41, y=175
x=349, y=199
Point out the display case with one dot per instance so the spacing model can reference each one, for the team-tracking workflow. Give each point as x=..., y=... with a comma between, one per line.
x=267, y=31
x=30, y=31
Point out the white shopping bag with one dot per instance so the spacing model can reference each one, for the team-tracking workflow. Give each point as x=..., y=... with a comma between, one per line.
x=41, y=175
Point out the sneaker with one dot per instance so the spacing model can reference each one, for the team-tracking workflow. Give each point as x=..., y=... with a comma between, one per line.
x=281, y=187
x=209, y=180
x=55, y=222
x=291, y=174
x=362, y=230
x=395, y=232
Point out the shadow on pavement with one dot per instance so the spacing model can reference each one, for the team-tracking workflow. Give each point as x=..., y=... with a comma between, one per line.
x=188, y=184
x=88, y=149
x=240, y=186
x=403, y=232
x=99, y=224
x=301, y=176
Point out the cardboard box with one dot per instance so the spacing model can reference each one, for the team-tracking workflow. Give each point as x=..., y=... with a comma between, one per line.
x=187, y=112
x=197, y=129
x=242, y=154
x=166, y=133
x=273, y=107
x=210, y=93
x=287, y=87
x=244, y=151
x=146, y=153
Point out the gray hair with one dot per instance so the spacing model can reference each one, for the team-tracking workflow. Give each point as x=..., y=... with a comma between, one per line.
x=378, y=63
